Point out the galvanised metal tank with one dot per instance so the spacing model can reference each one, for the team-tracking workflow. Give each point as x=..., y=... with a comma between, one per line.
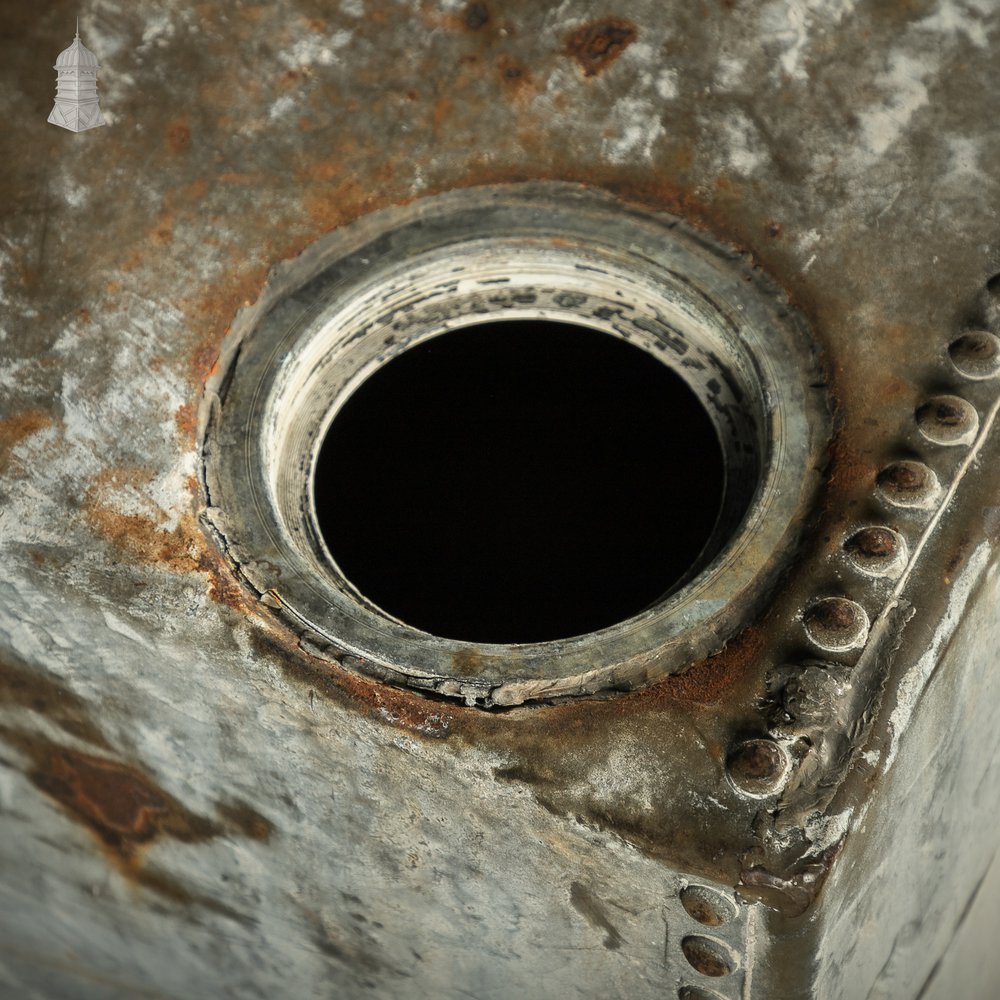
x=501, y=500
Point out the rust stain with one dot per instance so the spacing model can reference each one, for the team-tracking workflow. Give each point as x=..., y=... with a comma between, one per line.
x=294, y=77
x=19, y=427
x=120, y=804
x=957, y=560
x=186, y=418
x=401, y=708
x=144, y=538
x=241, y=816
x=471, y=662
x=847, y=475
x=43, y=694
x=794, y=892
x=598, y=44
x=126, y=812
x=716, y=678
x=163, y=231
x=178, y=135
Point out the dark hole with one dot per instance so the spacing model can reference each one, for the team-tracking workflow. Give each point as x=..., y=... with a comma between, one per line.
x=519, y=481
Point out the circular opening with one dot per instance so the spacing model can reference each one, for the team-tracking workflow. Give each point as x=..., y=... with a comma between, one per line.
x=519, y=481
x=515, y=443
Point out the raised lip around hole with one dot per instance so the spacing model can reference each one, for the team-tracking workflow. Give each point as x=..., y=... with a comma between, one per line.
x=278, y=554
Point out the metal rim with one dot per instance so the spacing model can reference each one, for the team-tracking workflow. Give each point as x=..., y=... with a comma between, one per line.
x=541, y=251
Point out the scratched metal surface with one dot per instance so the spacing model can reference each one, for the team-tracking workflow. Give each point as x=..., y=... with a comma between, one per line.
x=190, y=805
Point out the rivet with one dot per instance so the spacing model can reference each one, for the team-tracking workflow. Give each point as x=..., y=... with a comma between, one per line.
x=758, y=767
x=976, y=354
x=707, y=906
x=836, y=624
x=877, y=551
x=707, y=956
x=908, y=484
x=947, y=420
x=696, y=993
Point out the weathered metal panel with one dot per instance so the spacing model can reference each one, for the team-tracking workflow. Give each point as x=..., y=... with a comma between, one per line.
x=191, y=804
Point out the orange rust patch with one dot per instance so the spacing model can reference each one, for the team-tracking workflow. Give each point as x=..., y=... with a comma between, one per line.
x=140, y=536
x=294, y=77
x=957, y=560
x=143, y=539
x=234, y=177
x=195, y=191
x=126, y=812
x=468, y=662
x=348, y=200
x=715, y=679
x=598, y=44
x=186, y=419
x=118, y=803
x=15, y=429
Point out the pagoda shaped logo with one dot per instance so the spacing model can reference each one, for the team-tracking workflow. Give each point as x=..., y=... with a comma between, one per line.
x=76, y=106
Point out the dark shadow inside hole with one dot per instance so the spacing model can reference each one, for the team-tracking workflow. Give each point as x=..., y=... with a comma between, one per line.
x=519, y=481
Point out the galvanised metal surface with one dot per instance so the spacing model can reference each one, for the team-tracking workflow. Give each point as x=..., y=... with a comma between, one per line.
x=194, y=804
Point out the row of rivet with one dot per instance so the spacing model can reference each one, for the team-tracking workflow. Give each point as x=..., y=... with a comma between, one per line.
x=759, y=767
x=837, y=624
x=707, y=955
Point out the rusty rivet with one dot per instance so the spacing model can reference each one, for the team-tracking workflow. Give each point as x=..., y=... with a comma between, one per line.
x=976, y=354
x=707, y=956
x=948, y=420
x=696, y=993
x=758, y=767
x=877, y=551
x=707, y=906
x=908, y=484
x=836, y=624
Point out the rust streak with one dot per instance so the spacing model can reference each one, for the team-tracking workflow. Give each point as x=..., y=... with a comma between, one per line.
x=126, y=811
x=118, y=803
x=43, y=694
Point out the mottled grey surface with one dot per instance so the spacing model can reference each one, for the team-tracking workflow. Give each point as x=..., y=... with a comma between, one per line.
x=188, y=805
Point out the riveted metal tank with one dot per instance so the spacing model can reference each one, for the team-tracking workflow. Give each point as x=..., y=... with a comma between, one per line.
x=228, y=768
